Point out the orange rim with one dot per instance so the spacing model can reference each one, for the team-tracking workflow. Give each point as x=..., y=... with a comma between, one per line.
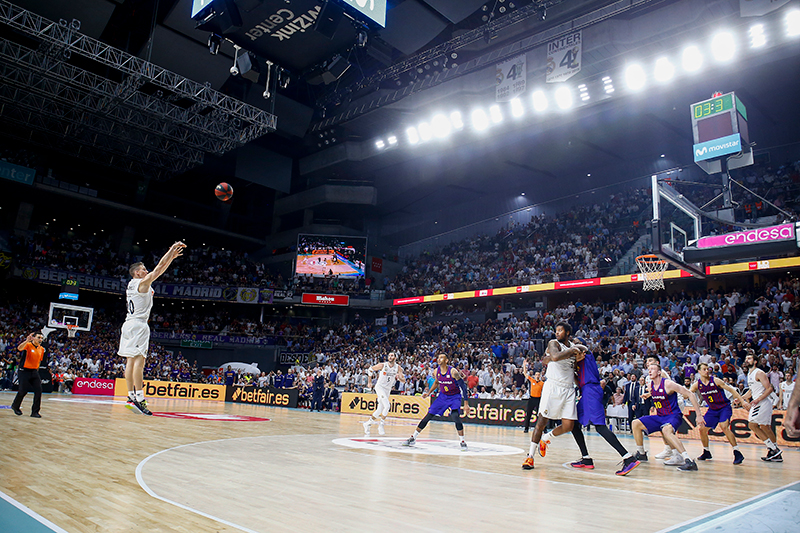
x=650, y=258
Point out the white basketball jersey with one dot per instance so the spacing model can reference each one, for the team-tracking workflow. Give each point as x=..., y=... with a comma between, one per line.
x=755, y=386
x=387, y=376
x=562, y=372
x=139, y=303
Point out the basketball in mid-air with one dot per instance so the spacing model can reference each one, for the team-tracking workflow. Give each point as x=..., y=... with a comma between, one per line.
x=223, y=191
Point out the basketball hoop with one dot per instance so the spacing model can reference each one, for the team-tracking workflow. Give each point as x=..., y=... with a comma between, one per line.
x=71, y=330
x=652, y=267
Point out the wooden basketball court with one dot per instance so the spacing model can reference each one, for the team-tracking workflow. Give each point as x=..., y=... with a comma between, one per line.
x=90, y=465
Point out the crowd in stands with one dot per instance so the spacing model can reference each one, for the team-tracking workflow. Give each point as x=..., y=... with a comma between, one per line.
x=582, y=242
x=682, y=331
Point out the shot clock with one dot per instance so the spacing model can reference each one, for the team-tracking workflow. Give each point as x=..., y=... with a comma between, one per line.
x=69, y=289
x=719, y=127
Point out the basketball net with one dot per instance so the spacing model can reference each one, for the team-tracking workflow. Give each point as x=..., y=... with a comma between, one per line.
x=652, y=268
x=71, y=330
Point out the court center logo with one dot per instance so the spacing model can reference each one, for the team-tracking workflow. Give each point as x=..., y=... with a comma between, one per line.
x=427, y=446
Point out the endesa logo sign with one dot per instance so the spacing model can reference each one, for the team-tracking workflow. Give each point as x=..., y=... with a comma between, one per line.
x=325, y=299
x=753, y=236
x=103, y=387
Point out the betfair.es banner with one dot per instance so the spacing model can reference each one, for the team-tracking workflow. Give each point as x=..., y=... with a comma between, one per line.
x=265, y=396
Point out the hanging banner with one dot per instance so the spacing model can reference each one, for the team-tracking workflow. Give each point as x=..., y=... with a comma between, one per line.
x=564, y=57
x=511, y=78
x=377, y=265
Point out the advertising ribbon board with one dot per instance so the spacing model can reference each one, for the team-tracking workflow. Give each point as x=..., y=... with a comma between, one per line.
x=401, y=406
x=102, y=387
x=265, y=396
x=175, y=389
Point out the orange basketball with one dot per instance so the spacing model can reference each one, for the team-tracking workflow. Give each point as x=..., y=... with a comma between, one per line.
x=224, y=191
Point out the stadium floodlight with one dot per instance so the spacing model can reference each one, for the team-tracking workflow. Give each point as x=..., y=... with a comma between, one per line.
x=392, y=140
x=441, y=126
x=379, y=144
x=413, y=135
x=608, y=84
x=692, y=59
x=664, y=70
x=563, y=97
x=584, y=92
x=757, y=37
x=480, y=121
x=516, y=108
x=456, y=120
x=425, y=131
x=539, y=101
x=497, y=116
x=635, y=77
x=793, y=23
x=723, y=46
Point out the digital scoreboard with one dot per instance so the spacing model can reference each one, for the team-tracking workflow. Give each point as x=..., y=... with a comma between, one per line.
x=69, y=290
x=719, y=127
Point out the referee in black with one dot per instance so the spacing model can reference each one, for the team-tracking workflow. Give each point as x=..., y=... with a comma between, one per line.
x=28, y=374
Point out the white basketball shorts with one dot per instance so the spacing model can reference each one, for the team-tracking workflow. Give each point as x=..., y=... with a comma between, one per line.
x=558, y=402
x=134, y=338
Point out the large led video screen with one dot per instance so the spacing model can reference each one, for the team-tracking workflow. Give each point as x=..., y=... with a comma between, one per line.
x=330, y=256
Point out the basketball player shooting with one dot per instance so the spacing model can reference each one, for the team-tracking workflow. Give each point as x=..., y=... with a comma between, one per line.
x=135, y=335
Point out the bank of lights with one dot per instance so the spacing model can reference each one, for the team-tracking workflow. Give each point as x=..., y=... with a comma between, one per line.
x=719, y=48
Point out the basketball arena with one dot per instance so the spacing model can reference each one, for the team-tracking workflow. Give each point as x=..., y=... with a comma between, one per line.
x=431, y=265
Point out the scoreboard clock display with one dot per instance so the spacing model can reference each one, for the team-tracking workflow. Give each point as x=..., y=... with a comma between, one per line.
x=69, y=289
x=719, y=127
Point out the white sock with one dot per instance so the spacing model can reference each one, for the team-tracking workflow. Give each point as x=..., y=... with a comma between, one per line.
x=706, y=449
x=627, y=455
x=548, y=436
x=139, y=395
x=532, y=449
x=462, y=438
x=686, y=456
x=380, y=422
x=736, y=447
x=640, y=449
x=771, y=445
x=132, y=394
x=368, y=422
x=416, y=433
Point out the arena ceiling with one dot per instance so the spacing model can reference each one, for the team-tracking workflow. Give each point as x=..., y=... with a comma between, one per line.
x=430, y=187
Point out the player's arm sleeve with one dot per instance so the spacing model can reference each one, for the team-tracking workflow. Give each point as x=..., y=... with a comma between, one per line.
x=463, y=387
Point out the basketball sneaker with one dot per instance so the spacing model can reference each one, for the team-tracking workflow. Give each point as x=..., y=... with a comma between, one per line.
x=464, y=447
x=381, y=429
x=410, y=442
x=144, y=409
x=688, y=466
x=628, y=465
x=528, y=464
x=774, y=456
x=583, y=462
x=737, y=457
x=641, y=457
x=705, y=457
x=366, y=428
x=665, y=454
x=675, y=460
x=133, y=405
x=543, y=447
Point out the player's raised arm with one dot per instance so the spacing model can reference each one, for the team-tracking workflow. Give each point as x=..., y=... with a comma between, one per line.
x=174, y=251
x=555, y=352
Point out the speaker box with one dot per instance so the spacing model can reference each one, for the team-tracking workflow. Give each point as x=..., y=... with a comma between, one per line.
x=331, y=72
x=328, y=20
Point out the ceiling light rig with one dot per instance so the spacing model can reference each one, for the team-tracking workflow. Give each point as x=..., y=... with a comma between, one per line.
x=718, y=50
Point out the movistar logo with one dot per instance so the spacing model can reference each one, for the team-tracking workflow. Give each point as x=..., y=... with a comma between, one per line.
x=729, y=144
